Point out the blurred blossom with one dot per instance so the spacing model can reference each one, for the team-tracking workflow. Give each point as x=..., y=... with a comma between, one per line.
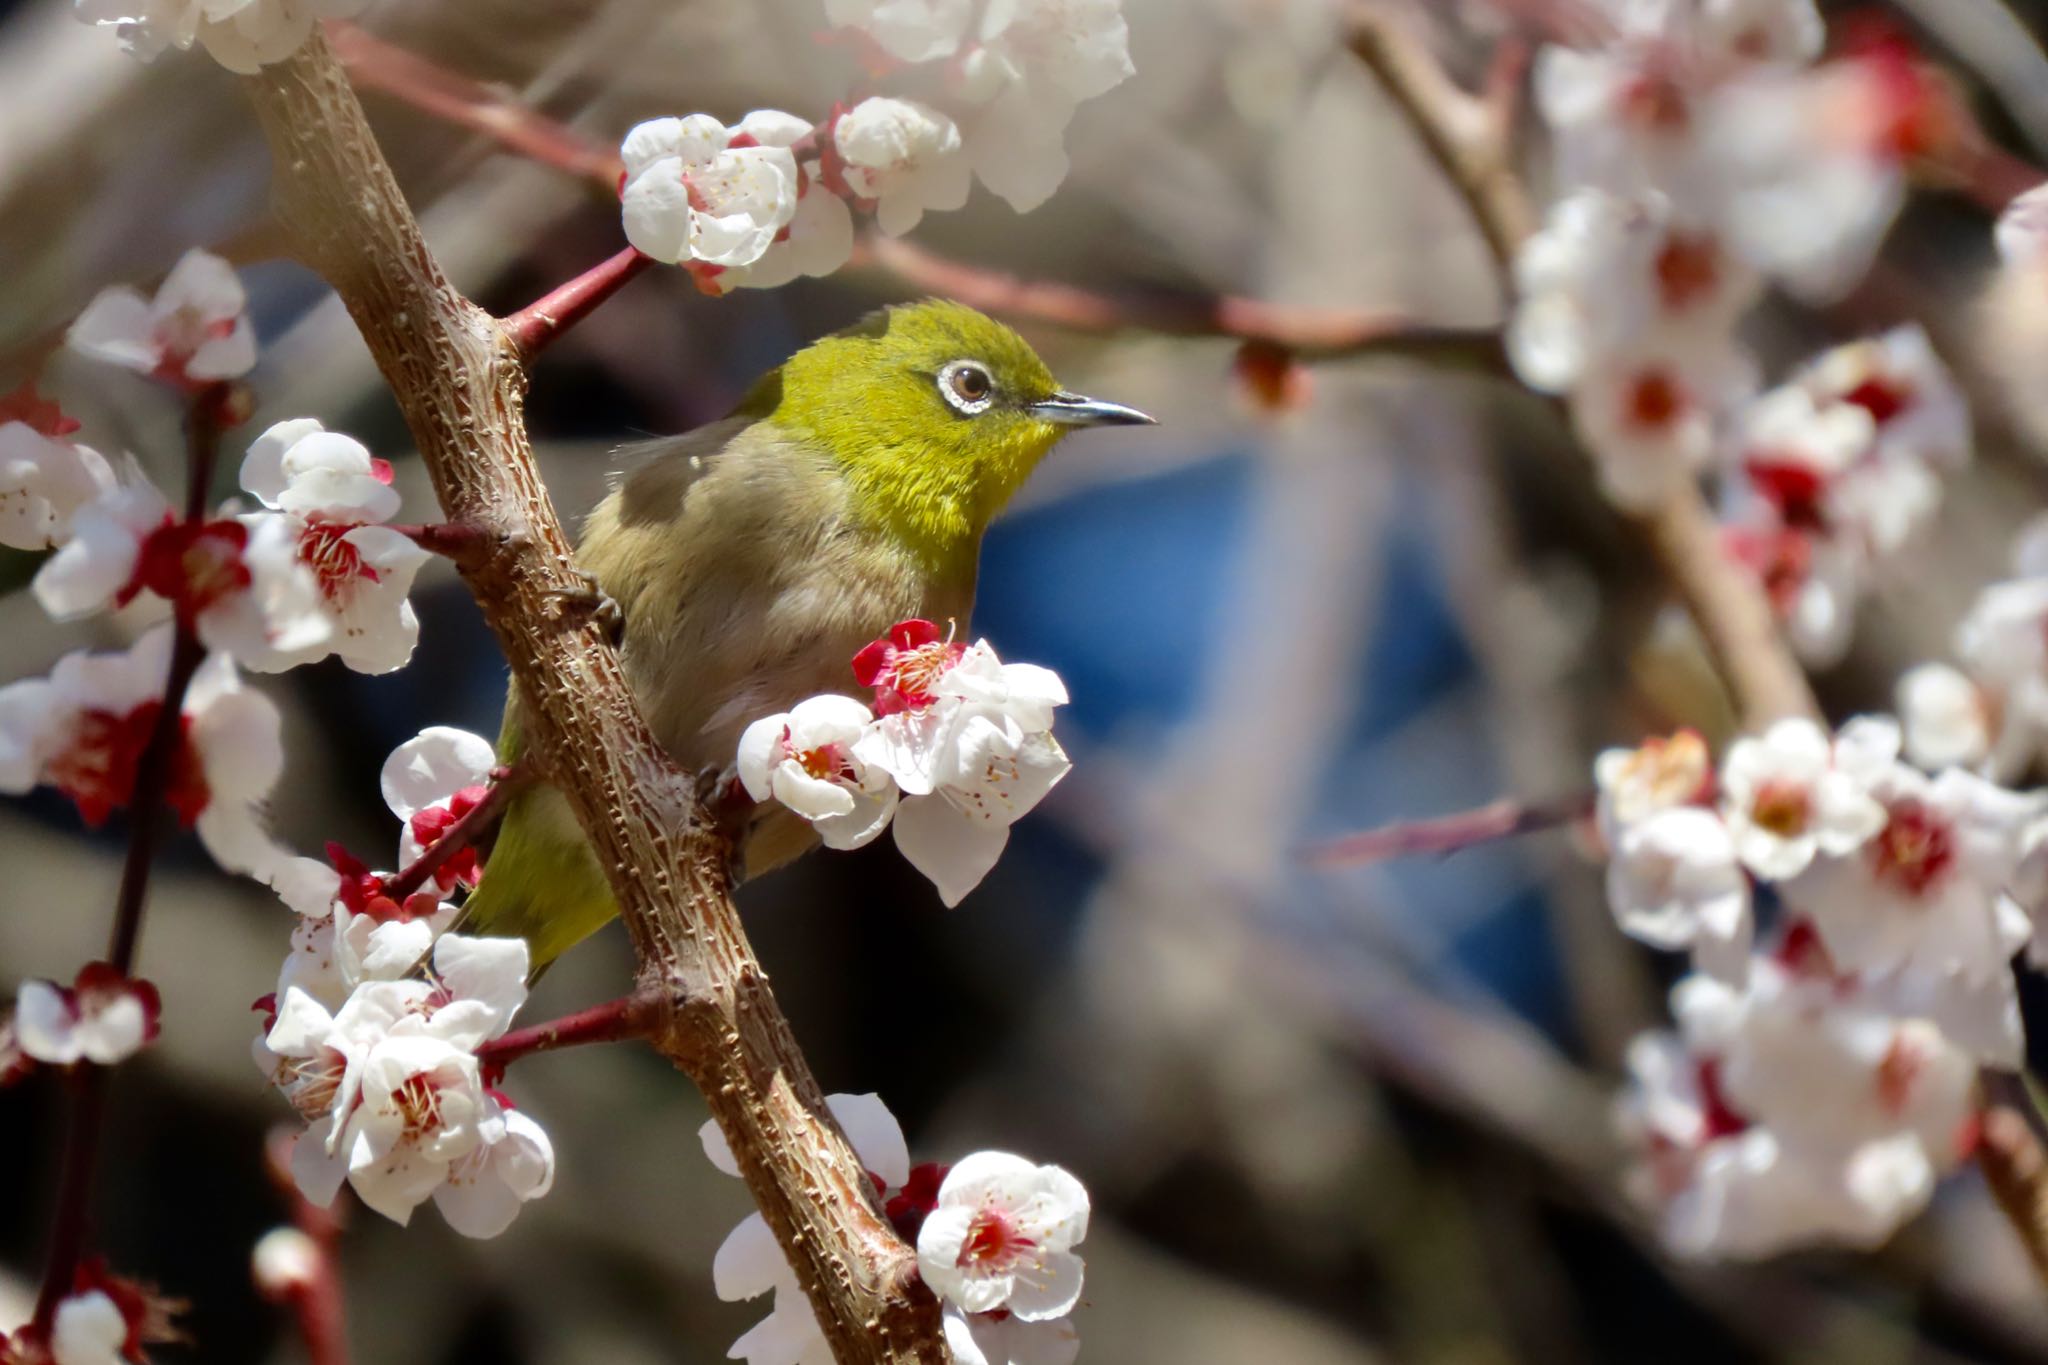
x=196, y=331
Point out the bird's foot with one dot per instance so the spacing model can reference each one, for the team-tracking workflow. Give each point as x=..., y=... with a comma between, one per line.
x=725, y=799
x=589, y=602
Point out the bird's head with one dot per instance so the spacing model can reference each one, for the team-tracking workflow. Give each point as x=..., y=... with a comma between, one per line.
x=935, y=413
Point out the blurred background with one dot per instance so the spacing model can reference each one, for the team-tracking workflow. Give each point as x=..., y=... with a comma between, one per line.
x=1325, y=1115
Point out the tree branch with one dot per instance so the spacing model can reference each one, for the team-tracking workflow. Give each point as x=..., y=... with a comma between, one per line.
x=639, y=1015
x=1471, y=138
x=1309, y=333
x=555, y=312
x=1447, y=834
x=2017, y=1172
x=463, y=833
x=1305, y=333
x=459, y=380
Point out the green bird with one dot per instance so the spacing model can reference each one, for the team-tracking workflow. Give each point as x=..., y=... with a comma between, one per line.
x=750, y=559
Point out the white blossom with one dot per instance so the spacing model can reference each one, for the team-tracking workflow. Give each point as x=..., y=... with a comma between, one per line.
x=1649, y=417
x=1002, y=1237
x=196, y=331
x=1006, y=1339
x=1923, y=899
x=242, y=35
x=806, y=759
x=44, y=480
x=1786, y=800
x=102, y=1018
x=1035, y=62
x=397, y=1097
x=690, y=195
x=1808, y=190
x=904, y=155
x=1799, y=1111
x=908, y=30
x=1606, y=272
x=241, y=580
x=431, y=781
x=330, y=495
x=284, y=1262
x=1674, y=882
x=1918, y=411
x=89, y=1329
x=84, y=728
x=1660, y=775
x=1942, y=715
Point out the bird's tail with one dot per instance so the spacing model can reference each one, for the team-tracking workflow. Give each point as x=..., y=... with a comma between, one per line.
x=541, y=882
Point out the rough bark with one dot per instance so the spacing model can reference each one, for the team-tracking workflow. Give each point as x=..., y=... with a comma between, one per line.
x=460, y=380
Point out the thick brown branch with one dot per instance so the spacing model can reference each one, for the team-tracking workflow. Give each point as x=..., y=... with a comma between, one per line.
x=2014, y=1167
x=458, y=378
x=1472, y=140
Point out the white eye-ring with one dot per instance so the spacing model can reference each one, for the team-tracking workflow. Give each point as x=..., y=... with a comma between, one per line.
x=967, y=387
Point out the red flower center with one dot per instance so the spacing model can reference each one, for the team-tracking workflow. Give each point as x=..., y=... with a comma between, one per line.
x=1882, y=398
x=324, y=547
x=1915, y=848
x=1656, y=400
x=1654, y=100
x=429, y=826
x=1717, y=1115
x=1796, y=490
x=994, y=1242
x=97, y=769
x=1782, y=807
x=180, y=336
x=1897, y=1072
x=905, y=665
x=1688, y=270
x=190, y=564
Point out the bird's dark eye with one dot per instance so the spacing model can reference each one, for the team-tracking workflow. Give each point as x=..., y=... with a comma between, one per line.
x=967, y=386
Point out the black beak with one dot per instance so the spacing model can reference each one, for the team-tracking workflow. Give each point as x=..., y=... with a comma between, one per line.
x=1071, y=409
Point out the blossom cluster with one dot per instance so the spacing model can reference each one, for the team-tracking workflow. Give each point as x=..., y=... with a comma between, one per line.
x=1817, y=1087
x=1702, y=156
x=242, y=35
x=313, y=573
x=987, y=92
x=1989, y=710
x=375, y=1023
x=995, y=1237
x=957, y=747
x=376, y=1030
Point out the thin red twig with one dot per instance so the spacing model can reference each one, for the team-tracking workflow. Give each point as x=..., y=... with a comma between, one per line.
x=453, y=540
x=546, y=318
x=374, y=64
x=316, y=1299
x=145, y=822
x=1307, y=333
x=1446, y=834
x=464, y=832
x=1310, y=333
x=630, y=1016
